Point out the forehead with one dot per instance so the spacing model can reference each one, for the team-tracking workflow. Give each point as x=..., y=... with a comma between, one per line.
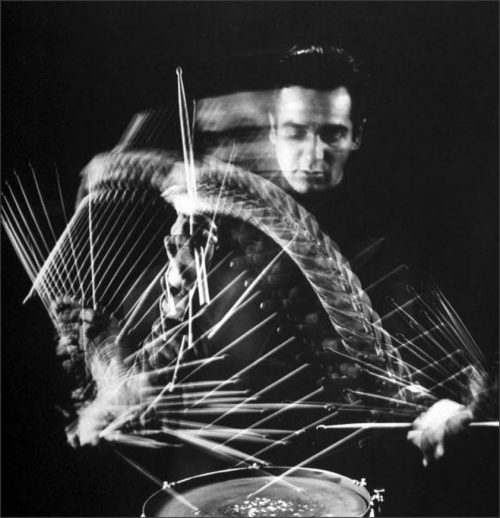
x=304, y=105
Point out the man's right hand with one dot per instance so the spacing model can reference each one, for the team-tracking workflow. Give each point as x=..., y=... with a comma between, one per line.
x=188, y=236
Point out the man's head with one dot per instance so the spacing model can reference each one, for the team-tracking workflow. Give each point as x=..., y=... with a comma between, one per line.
x=318, y=116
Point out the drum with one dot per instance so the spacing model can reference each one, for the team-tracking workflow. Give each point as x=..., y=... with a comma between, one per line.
x=249, y=492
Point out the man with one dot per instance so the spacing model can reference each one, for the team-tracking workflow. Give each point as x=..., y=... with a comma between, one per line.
x=316, y=122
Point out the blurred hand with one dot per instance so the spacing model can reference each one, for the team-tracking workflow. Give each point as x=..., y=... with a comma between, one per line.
x=444, y=421
x=188, y=236
x=285, y=290
x=87, y=429
x=119, y=406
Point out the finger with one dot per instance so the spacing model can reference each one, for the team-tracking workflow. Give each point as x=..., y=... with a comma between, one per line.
x=350, y=370
x=297, y=307
x=73, y=441
x=336, y=382
x=248, y=282
x=431, y=445
x=309, y=311
x=271, y=305
x=301, y=288
x=347, y=369
x=324, y=358
x=261, y=258
x=415, y=437
x=253, y=259
x=458, y=423
x=283, y=279
x=239, y=263
x=201, y=238
x=314, y=317
x=371, y=358
x=283, y=265
x=173, y=243
x=456, y=435
x=439, y=450
x=185, y=223
x=249, y=236
x=332, y=344
x=306, y=330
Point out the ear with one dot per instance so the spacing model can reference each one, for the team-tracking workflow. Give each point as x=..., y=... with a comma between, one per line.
x=358, y=136
x=272, y=131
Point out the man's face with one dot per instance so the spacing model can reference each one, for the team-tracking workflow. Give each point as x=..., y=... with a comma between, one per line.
x=312, y=132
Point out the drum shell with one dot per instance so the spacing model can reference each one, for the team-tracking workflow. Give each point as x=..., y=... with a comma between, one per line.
x=157, y=501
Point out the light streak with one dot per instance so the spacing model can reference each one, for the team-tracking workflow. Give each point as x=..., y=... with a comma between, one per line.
x=307, y=461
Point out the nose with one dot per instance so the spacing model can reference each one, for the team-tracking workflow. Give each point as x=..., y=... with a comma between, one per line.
x=314, y=150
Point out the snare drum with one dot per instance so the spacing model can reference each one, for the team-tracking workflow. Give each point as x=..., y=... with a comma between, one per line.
x=235, y=492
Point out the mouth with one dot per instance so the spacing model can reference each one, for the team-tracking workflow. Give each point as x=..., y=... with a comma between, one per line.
x=313, y=175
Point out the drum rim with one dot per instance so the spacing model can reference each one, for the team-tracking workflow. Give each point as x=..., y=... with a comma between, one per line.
x=350, y=483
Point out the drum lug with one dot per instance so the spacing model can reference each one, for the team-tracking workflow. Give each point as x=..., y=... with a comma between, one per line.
x=376, y=502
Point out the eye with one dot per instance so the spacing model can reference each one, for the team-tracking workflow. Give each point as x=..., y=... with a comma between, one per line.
x=332, y=135
x=294, y=132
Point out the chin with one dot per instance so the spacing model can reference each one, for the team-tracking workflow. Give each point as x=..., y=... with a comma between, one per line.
x=303, y=189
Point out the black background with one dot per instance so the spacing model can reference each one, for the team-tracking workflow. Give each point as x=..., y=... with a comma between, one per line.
x=74, y=73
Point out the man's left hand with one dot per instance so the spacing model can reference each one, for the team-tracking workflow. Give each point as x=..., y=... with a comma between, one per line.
x=433, y=430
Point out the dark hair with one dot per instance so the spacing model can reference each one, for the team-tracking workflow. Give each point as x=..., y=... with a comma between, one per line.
x=322, y=67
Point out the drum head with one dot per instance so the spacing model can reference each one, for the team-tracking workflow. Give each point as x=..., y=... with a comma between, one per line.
x=304, y=492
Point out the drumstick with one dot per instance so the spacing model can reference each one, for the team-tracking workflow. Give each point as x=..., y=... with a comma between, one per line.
x=381, y=426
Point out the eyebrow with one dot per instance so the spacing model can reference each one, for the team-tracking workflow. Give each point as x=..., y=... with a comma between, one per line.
x=290, y=124
x=342, y=127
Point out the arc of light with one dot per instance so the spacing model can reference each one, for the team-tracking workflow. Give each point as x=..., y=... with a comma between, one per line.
x=28, y=228
x=455, y=317
x=426, y=333
x=264, y=390
x=63, y=205
x=117, y=253
x=211, y=446
x=456, y=326
x=236, y=305
x=299, y=432
x=386, y=276
x=229, y=346
x=305, y=462
x=36, y=222
x=385, y=398
x=395, y=425
x=164, y=485
x=187, y=148
x=278, y=412
x=250, y=366
x=24, y=251
x=172, y=332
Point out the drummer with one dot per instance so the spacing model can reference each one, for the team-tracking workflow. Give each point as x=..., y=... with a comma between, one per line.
x=316, y=122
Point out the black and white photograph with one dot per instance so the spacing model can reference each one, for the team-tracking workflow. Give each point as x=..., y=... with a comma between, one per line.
x=250, y=258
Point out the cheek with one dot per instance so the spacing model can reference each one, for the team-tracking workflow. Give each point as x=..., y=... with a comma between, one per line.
x=287, y=155
x=340, y=156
